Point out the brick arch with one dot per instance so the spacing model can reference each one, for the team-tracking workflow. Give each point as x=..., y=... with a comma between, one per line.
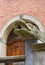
x=10, y=25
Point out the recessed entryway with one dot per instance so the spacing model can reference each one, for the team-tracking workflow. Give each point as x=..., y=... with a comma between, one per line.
x=5, y=36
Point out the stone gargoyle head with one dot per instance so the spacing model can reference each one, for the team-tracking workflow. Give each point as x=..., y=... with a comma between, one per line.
x=28, y=30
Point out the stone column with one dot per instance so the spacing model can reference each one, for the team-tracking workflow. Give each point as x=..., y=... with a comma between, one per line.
x=29, y=52
x=2, y=48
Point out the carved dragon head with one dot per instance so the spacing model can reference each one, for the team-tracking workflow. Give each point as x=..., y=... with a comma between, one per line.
x=28, y=30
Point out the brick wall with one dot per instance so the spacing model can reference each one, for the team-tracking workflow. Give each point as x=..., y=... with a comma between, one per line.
x=12, y=8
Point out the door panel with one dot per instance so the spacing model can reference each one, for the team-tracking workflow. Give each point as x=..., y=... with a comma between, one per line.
x=15, y=47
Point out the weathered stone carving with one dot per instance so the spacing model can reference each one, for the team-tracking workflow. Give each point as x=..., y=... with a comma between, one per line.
x=28, y=30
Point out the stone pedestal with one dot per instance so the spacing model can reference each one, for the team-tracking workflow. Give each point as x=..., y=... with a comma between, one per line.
x=39, y=58
x=39, y=54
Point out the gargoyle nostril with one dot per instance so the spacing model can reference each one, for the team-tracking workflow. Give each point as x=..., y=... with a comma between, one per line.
x=19, y=27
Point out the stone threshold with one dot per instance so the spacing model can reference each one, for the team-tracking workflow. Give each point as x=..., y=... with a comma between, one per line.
x=11, y=59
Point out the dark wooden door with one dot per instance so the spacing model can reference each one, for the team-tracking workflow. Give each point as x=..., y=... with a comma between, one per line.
x=15, y=47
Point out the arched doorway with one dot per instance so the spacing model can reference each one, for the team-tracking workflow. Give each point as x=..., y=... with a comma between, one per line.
x=9, y=27
x=15, y=45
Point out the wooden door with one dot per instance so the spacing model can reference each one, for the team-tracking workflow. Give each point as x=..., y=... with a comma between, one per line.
x=15, y=47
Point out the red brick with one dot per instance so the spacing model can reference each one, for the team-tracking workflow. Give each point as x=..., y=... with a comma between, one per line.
x=11, y=8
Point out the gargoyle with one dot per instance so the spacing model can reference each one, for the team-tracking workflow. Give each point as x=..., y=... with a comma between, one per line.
x=28, y=30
